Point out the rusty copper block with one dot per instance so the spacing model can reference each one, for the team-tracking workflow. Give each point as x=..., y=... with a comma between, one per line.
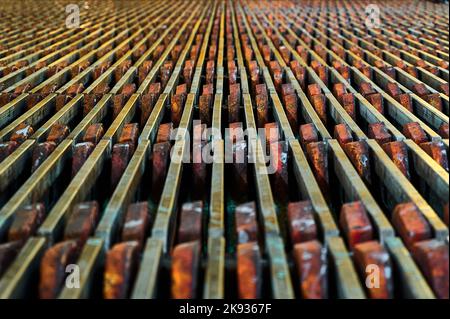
x=165, y=72
x=286, y=90
x=190, y=225
x=376, y=100
x=291, y=110
x=140, y=51
x=434, y=100
x=58, y=132
x=339, y=89
x=184, y=272
x=75, y=89
x=53, y=268
x=311, y=268
x=443, y=64
x=432, y=258
x=120, y=270
x=175, y=53
x=301, y=223
x=266, y=53
x=81, y=152
x=61, y=101
x=8, y=251
x=348, y=102
x=130, y=134
x=389, y=71
x=136, y=223
x=94, y=133
x=308, y=134
x=405, y=100
x=146, y=103
x=277, y=73
x=254, y=76
x=194, y=52
x=181, y=89
x=372, y=253
x=303, y=52
x=155, y=89
x=358, y=152
x=7, y=149
x=437, y=151
x=234, y=103
x=248, y=53
x=81, y=223
x=177, y=106
x=314, y=89
x=322, y=72
x=26, y=221
x=343, y=134
x=318, y=157
x=212, y=52
x=249, y=271
x=21, y=89
x=232, y=72
x=398, y=152
x=262, y=109
x=392, y=89
x=320, y=106
x=52, y=70
x=128, y=89
x=120, y=156
x=90, y=100
x=205, y=106
x=21, y=133
x=209, y=89
x=355, y=223
x=366, y=89
x=102, y=51
x=285, y=54
x=188, y=70
x=210, y=70
x=79, y=68
x=121, y=69
x=420, y=89
x=236, y=132
x=158, y=52
x=99, y=70
x=379, y=132
x=299, y=73
x=40, y=153
x=415, y=132
x=118, y=104
x=33, y=99
x=144, y=70
x=444, y=88
x=160, y=163
x=378, y=63
x=122, y=51
x=101, y=89
x=443, y=130
x=164, y=133
x=410, y=224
